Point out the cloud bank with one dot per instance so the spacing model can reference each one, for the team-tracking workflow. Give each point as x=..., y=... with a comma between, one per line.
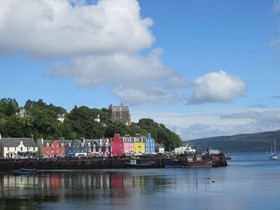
x=101, y=43
x=51, y=27
x=223, y=122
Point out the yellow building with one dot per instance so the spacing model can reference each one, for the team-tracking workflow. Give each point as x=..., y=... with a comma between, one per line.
x=139, y=147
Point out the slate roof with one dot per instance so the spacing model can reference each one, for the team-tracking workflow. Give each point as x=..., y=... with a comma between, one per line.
x=59, y=141
x=14, y=142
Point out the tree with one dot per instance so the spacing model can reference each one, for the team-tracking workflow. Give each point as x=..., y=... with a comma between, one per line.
x=8, y=106
x=14, y=127
x=83, y=121
x=160, y=133
x=114, y=128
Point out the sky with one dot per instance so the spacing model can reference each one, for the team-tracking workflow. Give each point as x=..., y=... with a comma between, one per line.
x=203, y=68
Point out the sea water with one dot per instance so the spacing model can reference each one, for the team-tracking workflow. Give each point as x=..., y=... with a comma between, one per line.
x=250, y=181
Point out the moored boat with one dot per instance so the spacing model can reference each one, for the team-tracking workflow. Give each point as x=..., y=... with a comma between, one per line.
x=198, y=164
x=273, y=155
x=214, y=158
x=134, y=164
x=24, y=172
x=172, y=163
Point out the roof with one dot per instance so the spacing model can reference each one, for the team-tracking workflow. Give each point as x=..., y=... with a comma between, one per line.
x=14, y=142
x=119, y=108
x=59, y=141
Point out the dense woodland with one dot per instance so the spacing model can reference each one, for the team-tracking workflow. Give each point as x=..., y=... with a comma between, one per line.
x=40, y=121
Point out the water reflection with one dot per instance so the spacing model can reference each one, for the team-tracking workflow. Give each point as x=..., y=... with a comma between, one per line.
x=32, y=191
x=239, y=186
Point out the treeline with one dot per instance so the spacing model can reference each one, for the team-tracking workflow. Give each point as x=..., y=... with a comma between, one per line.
x=39, y=120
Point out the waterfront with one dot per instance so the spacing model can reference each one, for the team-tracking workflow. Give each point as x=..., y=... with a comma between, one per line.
x=250, y=181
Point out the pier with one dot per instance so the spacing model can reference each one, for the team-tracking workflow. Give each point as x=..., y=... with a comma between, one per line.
x=72, y=163
x=84, y=163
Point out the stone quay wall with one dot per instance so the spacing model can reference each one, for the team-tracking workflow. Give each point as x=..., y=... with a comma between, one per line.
x=71, y=163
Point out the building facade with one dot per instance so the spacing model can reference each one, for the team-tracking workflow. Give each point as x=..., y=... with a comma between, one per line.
x=120, y=114
x=150, y=145
x=53, y=149
x=98, y=147
x=128, y=145
x=18, y=148
x=76, y=148
x=117, y=145
x=139, y=144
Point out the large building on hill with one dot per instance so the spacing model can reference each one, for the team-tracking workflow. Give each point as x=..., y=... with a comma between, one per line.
x=119, y=113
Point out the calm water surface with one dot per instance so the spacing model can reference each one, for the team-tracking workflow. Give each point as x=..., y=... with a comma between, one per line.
x=250, y=181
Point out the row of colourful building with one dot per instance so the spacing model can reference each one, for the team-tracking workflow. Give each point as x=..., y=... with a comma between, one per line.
x=118, y=146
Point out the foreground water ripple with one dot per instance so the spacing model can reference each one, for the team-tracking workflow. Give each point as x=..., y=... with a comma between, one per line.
x=250, y=181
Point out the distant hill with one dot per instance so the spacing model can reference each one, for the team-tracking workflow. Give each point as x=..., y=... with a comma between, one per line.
x=240, y=143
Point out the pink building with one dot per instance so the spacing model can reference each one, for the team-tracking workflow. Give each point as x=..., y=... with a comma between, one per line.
x=128, y=145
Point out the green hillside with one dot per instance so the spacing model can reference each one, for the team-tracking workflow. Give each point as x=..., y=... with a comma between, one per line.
x=40, y=120
x=240, y=143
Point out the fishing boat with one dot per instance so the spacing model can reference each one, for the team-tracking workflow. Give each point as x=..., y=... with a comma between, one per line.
x=197, y=164
x=134, y=164
x=24, y=172
x=273, y=155
x=172, y=163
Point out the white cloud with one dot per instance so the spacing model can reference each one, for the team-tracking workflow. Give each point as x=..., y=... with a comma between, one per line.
x=52, y=27
x=216, y=87
x=133, y=78
x=101, y=44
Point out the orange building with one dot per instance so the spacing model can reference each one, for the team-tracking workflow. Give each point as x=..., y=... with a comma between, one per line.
x=53, y=149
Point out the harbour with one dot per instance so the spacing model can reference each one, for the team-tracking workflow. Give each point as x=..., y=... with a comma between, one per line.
x=110, y=163
x=250, y=181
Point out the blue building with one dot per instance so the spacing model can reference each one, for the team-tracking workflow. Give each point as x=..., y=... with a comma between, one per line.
x=150, y=145
x=75, y=148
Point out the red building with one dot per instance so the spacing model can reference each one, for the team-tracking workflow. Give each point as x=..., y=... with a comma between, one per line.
x=53, y=149
x=117, y=145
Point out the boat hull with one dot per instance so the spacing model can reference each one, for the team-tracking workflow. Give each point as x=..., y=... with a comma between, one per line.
x=136, y=164
x=24, y=172
x=172, y=163
x=197, y=164
x=273, y=157
x=139, y=166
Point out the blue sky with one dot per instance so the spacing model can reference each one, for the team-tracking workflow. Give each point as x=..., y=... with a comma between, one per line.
x=201, y=67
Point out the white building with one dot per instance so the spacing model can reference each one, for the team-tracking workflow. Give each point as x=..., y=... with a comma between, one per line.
x=18, y=148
